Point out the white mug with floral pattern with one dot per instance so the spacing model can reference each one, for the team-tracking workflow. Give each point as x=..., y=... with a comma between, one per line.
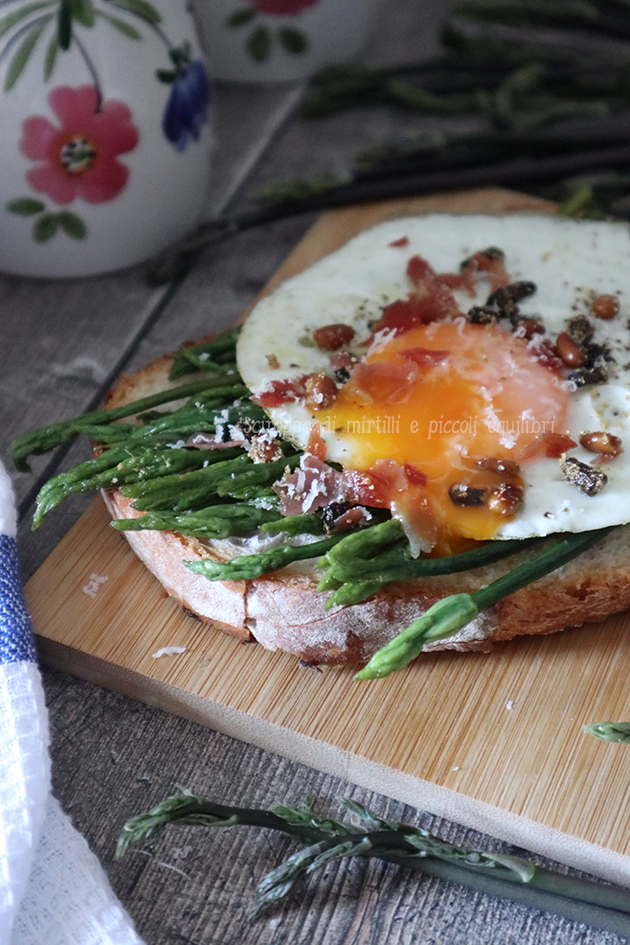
x=105, y=146
x=281, y=40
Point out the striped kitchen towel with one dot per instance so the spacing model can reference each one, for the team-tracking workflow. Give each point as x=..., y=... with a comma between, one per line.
x=53, y=891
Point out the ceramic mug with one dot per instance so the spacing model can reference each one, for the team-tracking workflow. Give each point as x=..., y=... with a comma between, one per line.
x=105, y=144
x=281, y=40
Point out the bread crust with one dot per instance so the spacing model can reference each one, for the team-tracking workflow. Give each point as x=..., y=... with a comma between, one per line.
x=284, y=610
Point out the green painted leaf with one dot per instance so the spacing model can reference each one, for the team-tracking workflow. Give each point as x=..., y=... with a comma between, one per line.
x=259, y=44
x=51, y=57
x=45, y=228
x=240, y=17
x=166, y=75
x=121, y=25
x=64, y=26
x=82, y=11
x=25, y=206
x=293, y=40
x=73, y=225
x=23, y=52
x=180, y=56
x=9, y=21
x=142, y=8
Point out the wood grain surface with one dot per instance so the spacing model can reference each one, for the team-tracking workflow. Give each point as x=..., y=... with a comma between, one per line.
x=489, y=740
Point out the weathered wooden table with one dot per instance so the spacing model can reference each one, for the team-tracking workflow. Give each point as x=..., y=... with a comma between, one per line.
x=63, y=343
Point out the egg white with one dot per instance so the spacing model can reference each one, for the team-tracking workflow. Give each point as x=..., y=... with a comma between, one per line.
x=568, y=260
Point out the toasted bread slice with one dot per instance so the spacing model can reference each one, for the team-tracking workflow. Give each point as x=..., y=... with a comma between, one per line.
x=284, y=610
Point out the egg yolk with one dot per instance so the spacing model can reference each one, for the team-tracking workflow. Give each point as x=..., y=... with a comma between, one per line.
x=436, y=400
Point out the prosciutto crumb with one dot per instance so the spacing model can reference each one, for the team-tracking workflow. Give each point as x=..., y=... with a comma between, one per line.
x=387, y=381
x=315, y=484
x=315, y=444
x=265, y=447
x=430, y=300
x=332, y=337
x=311, y=486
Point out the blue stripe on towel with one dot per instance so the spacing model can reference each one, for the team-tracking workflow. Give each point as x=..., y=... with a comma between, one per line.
x=16, y=638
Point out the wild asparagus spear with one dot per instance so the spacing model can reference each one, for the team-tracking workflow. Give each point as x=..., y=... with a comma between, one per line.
x=353, y=592
x=216, y=521
x=247, y=567
x=358, y=546
x=354, y=580
x=396, y=563
x=245, y=483
x=223, y=407
x=452, y=613
x=326, y=839
x=609, y=731
x=567, y=13
x=46, y=438
x=202, y=362
x=183, y=492
x=367, y=542
x=115, y=468
x=222, y=344
x=304, y=524
x=201, y=418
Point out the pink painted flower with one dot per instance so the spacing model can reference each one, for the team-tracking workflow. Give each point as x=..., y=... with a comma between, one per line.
x=78, y=157
x=283, y=7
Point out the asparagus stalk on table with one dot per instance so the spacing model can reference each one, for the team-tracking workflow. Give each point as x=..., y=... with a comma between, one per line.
x=403, y=844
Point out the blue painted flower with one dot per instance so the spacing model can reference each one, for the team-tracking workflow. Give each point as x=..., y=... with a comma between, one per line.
x=187, y=107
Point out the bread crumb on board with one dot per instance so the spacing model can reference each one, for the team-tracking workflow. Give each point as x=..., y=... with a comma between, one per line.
x=168, y=651
x=92, y=586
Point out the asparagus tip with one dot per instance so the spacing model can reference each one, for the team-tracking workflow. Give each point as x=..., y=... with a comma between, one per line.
x=609, y=731
x=441, y=620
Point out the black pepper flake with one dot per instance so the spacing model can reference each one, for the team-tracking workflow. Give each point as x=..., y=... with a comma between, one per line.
x=482, y=315
x=580, y=329
x=586, y=375
x=465, y=496
x=514, y=292
x=586, y=478
x=595, y=371
x=342, y=375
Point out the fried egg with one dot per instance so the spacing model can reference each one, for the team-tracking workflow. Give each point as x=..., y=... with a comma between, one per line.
x=479, y=410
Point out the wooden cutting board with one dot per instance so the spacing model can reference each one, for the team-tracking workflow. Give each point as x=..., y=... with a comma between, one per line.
x=492, y=741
